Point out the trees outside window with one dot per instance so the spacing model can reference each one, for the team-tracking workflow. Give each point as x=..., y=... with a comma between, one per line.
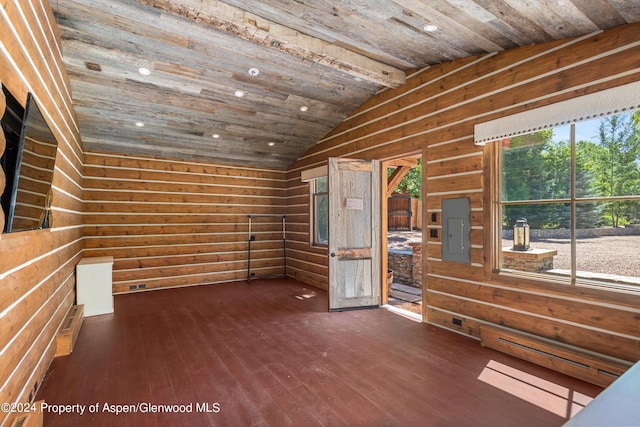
x=578, y=182
x=320, y=211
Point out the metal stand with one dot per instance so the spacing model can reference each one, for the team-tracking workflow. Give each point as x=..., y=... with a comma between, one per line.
x=252, y=238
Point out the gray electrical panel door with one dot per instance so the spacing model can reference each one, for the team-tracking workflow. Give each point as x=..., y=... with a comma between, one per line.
x=456, y=229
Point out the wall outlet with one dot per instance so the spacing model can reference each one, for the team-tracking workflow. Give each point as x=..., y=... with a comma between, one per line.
x=457, y=322
x=132, y=287
x=142, y=286
x=252, y=275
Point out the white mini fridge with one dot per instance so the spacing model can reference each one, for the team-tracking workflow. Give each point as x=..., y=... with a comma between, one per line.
x=94, y=285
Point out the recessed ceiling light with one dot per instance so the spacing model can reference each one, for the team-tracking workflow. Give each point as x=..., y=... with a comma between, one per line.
x=430, y=28
x=253, y=71
x=239, y=93
x=304, y=108
x=144, y=71
x=140, y=124
x=216, y=135
x=271, y=144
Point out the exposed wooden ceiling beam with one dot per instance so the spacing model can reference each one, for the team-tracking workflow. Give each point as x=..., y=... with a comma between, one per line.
x=395, y=178
x=240, y=23
x=411, y=162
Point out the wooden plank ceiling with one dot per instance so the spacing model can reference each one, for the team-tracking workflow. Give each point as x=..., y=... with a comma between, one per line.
x=325, y=56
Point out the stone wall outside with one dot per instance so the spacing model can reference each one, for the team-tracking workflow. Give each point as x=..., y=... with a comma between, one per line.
x=407, y=265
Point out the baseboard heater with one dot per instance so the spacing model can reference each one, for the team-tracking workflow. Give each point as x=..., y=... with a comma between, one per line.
x=570, y=360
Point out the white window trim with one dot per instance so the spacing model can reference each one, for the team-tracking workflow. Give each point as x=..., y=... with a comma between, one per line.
x=311, y=174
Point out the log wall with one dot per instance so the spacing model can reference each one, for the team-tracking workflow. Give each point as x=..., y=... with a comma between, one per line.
x=434, y=113
x=37, y=267
x=169, y=223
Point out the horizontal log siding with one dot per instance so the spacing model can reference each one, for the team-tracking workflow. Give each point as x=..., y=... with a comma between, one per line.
x=305, y=262
x=435, y=113
x=37, y=267
x=170, y=223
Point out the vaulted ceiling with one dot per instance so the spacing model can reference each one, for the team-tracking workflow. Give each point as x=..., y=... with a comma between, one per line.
x=161, y=77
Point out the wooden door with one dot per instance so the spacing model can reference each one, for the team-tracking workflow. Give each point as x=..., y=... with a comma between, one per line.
x=354, y=234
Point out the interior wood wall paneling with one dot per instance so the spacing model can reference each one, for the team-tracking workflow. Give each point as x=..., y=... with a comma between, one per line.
x=224, y=275
x=458, y=183
x=115, y=161
x=47, y=45
x=615, y=318
x=594, y=339
x=170, y=207
x=95, y=191
x=169, y=218
x=448, y=167
x=32, y=359
x=446, y=77
x=476, y=94
x=437, y=116
x=36, y=266
x=197, y=228
x=186, y=259
x=167, y=239
x=33, y=76
x=180, y=198
x=48, y=298
x=422, y=80
x=163, y=250
x=140, y=209
x=141, y=274
x=66, y=179
x=443, y=98
x=22, y=281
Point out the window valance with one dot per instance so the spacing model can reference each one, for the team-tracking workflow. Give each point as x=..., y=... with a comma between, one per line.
x=586, y=107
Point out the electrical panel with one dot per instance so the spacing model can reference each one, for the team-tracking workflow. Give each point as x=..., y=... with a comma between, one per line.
x=456, y=230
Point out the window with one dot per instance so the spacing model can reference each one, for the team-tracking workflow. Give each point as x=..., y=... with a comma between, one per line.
x=578, y=187
x=320, y=211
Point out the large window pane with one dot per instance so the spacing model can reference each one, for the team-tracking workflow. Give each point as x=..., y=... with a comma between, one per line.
x=321, y=185
x=607, y=158
x=537, y=166
x=321, y=215
x=591, y=168
x=604, y=252
x=550, y=250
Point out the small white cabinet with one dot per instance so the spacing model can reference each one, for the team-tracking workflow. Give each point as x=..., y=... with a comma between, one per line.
x=94, y=285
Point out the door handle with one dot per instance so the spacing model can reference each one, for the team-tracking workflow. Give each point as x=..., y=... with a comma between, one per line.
x=333, y=254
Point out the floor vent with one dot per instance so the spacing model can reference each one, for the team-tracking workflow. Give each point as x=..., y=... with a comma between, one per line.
x=33, y=418
x=19, y=422
x=588, y=366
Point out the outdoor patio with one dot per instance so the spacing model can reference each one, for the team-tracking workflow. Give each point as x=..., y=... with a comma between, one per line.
x=403, y=295
x=613, y=258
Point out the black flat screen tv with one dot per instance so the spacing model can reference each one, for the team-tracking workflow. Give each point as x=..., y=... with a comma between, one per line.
x=28, y=163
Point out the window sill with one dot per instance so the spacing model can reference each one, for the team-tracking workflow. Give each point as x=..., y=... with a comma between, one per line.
x=562, y=278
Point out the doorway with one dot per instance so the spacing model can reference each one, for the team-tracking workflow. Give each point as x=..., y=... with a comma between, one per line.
x=402, y=235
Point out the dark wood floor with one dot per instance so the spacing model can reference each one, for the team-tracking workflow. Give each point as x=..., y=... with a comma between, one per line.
x=269, y=354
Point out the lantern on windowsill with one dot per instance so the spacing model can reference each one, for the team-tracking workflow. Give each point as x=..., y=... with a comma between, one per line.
x=521, y=235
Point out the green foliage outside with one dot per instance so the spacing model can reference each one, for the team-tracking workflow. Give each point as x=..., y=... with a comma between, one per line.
x=537, y=166
x=412, y=181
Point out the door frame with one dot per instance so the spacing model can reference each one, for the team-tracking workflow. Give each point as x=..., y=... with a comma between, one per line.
x=384, y=225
